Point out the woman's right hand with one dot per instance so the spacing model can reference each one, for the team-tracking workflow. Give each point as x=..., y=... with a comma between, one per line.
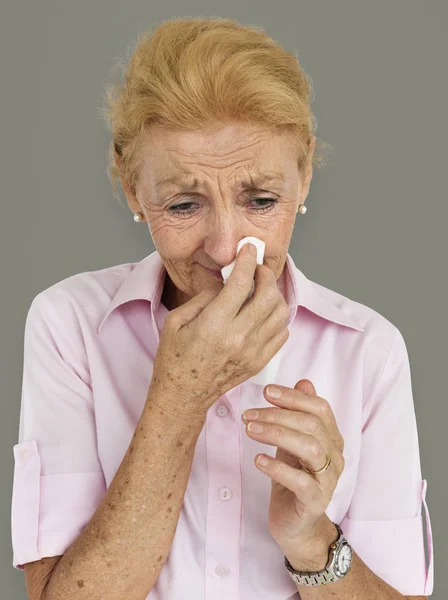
x=212, y=343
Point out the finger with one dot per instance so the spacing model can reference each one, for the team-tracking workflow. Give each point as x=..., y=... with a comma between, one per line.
x=296, y=400
x=295, y=420
x=228, y=302
x=311, y=453
x=303, y=485
x=191, y=309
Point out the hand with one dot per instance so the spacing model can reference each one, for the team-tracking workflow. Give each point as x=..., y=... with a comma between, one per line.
x=212, y=343
x=304, y=430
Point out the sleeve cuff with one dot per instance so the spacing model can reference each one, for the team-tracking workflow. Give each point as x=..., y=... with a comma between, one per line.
x=48, y=512
x=395, y=551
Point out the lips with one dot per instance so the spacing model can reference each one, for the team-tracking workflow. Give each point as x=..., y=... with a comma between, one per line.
x=217, y=274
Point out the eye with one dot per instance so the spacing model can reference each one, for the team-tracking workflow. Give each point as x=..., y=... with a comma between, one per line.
x=181, y=210
x=266, y=207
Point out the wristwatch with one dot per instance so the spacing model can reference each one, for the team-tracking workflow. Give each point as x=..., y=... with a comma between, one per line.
x=339, y=563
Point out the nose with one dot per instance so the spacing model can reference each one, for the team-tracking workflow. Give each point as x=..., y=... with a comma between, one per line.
x=223, y=235
x=220, y=253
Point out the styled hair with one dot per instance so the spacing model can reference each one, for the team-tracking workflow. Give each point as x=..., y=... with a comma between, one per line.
x=193, y=73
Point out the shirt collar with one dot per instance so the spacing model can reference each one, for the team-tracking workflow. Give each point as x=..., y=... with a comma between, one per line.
x=146, y=280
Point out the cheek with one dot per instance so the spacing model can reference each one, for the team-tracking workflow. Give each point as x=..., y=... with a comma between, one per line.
x=175, y=248
x=169, y=237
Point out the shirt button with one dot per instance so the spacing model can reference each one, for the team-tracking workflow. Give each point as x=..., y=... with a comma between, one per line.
x=24, y=454
x=222, y=410
x=222, y=570
x=225, y=493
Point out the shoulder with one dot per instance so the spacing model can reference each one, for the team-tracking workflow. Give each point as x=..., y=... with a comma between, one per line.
x=370, y=320
x=378, y=347
x=84, y=295
x=65, y=315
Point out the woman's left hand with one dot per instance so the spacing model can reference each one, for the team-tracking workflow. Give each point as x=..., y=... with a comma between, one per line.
x=304, y=430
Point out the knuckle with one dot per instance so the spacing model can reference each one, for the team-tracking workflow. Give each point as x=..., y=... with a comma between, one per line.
x=324, y=407
x=237, y=341
x=284, y=313
x=304, y=483
x=278, y=470
x=314, y=425
x=316, y=450
x=171, y=319
x=271, y=294
x=272, y=415
x=280, y=319
x=212, y=331
x=278, y=431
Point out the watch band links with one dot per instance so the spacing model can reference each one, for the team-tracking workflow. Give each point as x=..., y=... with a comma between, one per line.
x=329, y=574
x=310, y=579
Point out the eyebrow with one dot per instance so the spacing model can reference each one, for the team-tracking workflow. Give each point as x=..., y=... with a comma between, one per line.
x=186, y=182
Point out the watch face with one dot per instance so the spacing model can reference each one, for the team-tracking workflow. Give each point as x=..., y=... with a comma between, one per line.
x=344, y=558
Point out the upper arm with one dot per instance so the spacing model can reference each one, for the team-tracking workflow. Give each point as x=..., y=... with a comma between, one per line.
x=37, y=575
x=384, y=521
x=58, y=478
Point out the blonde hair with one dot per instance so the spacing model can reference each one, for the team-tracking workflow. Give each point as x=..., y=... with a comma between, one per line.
x=191, y=73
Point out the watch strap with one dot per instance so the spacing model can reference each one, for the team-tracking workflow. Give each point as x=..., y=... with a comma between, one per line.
x=327, y=575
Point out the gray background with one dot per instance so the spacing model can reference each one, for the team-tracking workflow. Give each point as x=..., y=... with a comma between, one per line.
x=375, y=229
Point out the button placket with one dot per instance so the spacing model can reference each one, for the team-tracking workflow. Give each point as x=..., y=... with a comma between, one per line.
x=223, y=522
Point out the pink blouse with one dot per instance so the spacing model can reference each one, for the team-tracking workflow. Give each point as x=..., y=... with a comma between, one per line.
x=89, y=346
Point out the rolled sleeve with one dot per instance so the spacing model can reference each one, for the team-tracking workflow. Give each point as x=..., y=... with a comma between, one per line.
x=58, y=480
x=384, y=523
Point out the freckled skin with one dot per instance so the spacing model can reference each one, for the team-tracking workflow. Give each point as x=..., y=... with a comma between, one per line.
x=221, y=157
x=121, y=550
x=128, y=522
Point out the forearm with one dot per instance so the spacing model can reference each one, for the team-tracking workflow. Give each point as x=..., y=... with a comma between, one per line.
x=360, y=583
x=122, y=549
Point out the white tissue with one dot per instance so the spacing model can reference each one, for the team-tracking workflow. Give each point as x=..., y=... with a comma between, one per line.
x=269, y=373
x=259, y=244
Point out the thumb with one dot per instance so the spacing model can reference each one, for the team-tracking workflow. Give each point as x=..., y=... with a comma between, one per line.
x=306, y=386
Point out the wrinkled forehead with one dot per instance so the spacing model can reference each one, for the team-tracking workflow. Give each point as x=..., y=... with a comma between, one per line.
x=249, y=157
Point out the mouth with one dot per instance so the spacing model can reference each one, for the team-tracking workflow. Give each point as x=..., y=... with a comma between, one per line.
x=216, y=274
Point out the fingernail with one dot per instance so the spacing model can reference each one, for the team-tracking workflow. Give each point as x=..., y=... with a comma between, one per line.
x=262, y=460
x=274, y=391
x=252, y=249
x=251, y=415
x=255, y=427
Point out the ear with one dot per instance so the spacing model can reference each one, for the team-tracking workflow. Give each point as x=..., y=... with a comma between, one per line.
x=129, y=193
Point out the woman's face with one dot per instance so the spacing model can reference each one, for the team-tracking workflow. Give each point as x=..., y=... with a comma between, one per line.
x=215, y=197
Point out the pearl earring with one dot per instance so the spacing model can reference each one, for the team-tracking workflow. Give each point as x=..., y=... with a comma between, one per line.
x=302, y=209
x=138, y=217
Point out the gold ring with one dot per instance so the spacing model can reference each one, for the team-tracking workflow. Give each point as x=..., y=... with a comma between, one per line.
x=324, y=468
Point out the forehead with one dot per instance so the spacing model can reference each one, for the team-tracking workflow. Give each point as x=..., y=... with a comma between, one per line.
x=257, y=155
x=254, y=179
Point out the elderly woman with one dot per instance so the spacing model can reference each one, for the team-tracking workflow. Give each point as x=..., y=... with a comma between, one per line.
x=154, y=460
